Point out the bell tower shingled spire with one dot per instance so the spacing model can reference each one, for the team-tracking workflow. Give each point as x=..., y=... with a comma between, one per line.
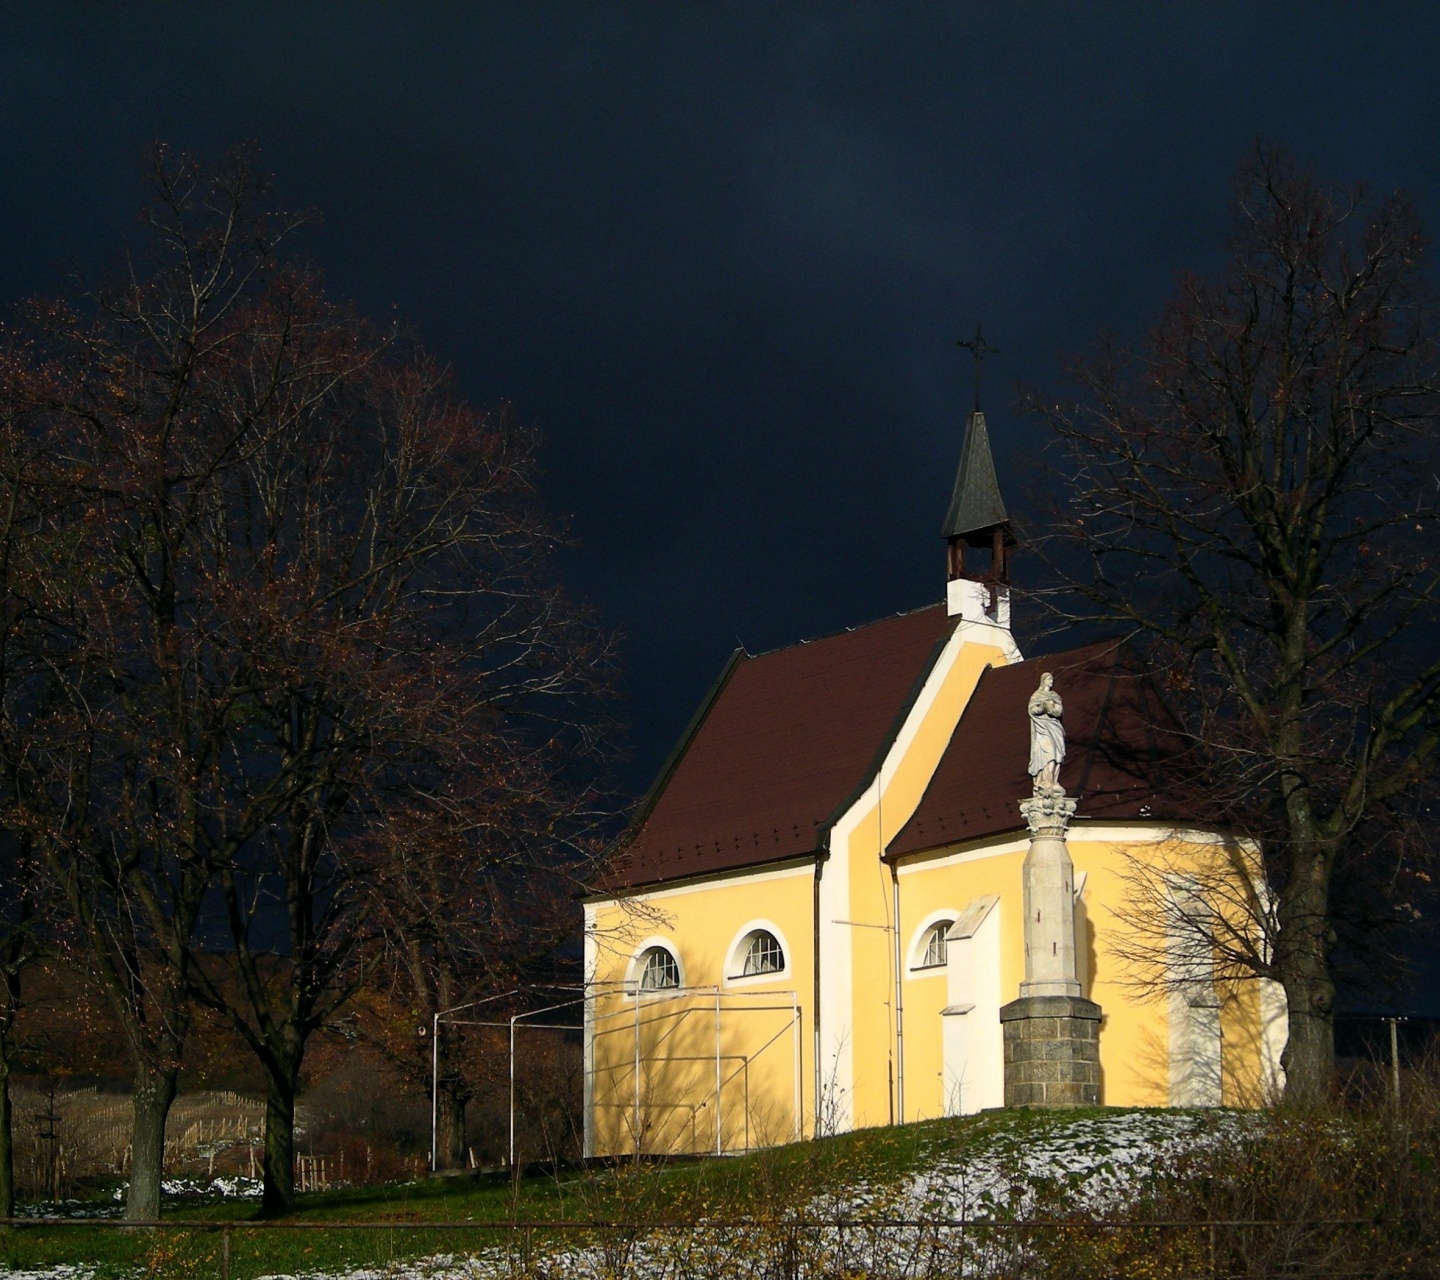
x=977, y=520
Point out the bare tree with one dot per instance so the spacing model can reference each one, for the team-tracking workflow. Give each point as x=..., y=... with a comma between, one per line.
x=134, y=778
x=18, y=948
x=412, y=646
x=1253, y=491
x=296, y=592
x=22, y=636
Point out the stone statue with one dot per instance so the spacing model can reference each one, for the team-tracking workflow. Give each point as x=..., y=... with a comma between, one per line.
x=1047, y=737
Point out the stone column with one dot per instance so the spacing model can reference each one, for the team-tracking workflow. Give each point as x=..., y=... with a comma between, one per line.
x=1051, y=1033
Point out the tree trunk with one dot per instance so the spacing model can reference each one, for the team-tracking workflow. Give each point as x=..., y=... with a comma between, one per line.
x=15, y=958
x=1303, y=965
x=278, y=1195
x=154, y=1092
x=450, y=1126
x=7, y=1146
x=1309, y=1056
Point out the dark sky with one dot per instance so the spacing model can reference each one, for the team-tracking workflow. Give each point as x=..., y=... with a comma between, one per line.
x=721, y=254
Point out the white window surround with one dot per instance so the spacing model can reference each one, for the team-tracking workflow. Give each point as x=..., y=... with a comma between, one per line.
x=735, y=975
x=915, y=966
x=635, y=970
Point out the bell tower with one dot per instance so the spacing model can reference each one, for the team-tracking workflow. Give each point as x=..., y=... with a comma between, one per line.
x=977, y=530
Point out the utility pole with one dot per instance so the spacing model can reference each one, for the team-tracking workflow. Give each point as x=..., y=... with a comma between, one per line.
x=1394, y=1059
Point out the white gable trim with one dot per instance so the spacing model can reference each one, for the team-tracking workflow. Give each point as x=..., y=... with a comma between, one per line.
x=966, y=633
x=592, y=960
x=835, y=1064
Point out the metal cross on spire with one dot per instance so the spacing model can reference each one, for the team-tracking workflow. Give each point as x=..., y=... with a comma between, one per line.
x=979, y=348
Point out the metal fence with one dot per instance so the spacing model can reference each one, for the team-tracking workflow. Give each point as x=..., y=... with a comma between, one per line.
x=793, y=1248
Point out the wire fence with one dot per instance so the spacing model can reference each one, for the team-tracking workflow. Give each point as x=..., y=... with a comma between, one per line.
x=822, y=1248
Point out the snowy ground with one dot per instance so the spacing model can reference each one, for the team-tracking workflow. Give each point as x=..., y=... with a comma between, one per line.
x=1006, y=1171
x=1095, y=1165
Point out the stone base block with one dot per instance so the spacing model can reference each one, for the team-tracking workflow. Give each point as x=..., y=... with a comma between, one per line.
x=1052, y=1052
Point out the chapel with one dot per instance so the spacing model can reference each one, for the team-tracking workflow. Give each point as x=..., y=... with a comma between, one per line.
x=888, y=875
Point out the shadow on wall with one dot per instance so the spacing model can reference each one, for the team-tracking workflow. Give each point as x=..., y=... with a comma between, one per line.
x=673, y=1075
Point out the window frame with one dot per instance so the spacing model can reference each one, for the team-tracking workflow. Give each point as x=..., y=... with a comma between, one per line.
x=766, y=946
x=639, y=964
x=936, y=941
x=661, y=962
x=920, y=940
x=739, y=950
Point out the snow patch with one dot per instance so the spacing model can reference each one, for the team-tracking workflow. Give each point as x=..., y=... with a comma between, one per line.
x=222, y=1188
x=1094, y=1166
x=61, y=1271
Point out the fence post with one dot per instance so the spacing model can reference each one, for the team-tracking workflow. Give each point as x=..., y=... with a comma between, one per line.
x=1213, y=1263
x=225, y=1254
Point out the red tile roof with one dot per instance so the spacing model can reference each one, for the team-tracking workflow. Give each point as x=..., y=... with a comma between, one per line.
x=1119, y=737
x=784, y=742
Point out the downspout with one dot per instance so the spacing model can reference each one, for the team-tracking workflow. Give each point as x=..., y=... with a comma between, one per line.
x=899, y=999
x=815, y=964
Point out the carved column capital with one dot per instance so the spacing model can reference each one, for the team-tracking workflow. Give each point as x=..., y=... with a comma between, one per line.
x=1048, y=812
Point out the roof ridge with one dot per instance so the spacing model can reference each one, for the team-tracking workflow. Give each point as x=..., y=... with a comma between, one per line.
x=1113, y=643
x=845, y=631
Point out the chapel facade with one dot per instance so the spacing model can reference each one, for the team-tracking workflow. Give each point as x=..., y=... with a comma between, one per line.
x=887, y=875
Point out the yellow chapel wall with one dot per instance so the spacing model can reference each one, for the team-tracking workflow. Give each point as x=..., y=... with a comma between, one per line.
x=1136, y=1062
x=1134, y=1033
x=702, y=922
x=935, y=883
x=761, y=1043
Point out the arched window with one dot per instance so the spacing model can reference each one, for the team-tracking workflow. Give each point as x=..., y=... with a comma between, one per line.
x=659, y=970
x=936, y=947
x=763, y=954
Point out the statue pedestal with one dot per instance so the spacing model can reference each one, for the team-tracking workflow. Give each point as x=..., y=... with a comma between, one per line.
x=1052, y=1051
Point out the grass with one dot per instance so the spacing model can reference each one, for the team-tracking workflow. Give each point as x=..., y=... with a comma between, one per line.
x=756, y=1185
